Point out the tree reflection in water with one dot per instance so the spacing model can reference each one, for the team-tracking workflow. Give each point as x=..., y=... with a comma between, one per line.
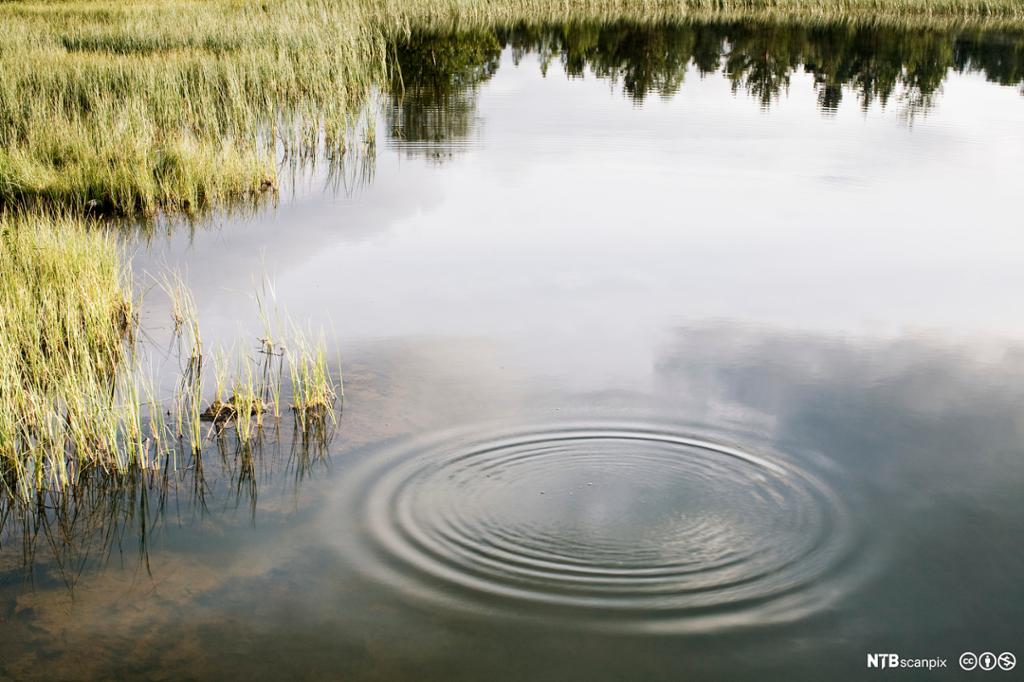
x=438, y=75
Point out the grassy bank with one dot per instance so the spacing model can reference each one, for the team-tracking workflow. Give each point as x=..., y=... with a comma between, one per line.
x=127, y=107
x=74, y=395
x=66, y=327
x=136, y=106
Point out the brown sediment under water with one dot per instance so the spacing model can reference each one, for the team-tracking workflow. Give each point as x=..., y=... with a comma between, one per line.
x=673, y=351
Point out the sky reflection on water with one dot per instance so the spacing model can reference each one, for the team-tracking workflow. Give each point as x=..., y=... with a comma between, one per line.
x=832, y=286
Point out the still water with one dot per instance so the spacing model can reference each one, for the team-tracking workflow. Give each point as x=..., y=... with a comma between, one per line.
x=670, y=352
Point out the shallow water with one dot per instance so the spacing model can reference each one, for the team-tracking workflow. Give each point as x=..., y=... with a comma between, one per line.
x=696, y=362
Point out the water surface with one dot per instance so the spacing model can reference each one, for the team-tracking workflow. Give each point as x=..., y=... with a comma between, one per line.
x=670, y=351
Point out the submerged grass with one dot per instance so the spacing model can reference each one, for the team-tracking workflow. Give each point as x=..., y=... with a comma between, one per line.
x=108, y=516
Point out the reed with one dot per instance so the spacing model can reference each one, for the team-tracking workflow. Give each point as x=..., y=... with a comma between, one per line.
x=134, y=106
x=314, y=389
x=73, y=395
x=396, y=16
x=248, y=387
x=66, y=331
x=187, y=402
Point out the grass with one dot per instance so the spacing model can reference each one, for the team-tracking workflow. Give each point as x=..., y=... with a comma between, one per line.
x=247, y=388
x=128, y=107
x=314, y=390
x=187, y=403
x=74, y=396
x=136, y=106
x=403, y=15
x=66, y=332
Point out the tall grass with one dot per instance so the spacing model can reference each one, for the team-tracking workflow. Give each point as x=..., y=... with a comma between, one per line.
x=66, y=333
x=74, y=396
x=133, y=106
x=247, y=383
x=404, y=15
x=187, y=407
x=314, y=389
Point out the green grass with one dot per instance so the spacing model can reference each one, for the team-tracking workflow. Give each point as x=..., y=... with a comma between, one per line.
x=66, y=332
x=74, y=394
x=130, y=107
x=314, y=389
x=136, y=106
x=446, y=14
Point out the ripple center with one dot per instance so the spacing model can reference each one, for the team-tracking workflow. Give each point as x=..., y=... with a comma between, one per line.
x=629, y=527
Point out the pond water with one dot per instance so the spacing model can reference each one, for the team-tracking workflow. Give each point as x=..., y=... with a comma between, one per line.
x=670, y=352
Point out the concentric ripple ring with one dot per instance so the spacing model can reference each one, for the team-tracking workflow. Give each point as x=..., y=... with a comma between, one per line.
x=628, y=527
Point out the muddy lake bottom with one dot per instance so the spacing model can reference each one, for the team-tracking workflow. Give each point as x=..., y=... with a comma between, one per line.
x=696, y=369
